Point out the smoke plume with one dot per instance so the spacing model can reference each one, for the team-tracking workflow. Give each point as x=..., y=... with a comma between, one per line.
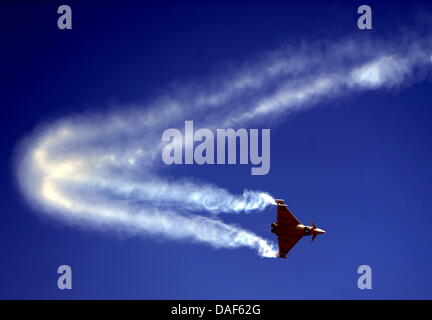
x=105, y=170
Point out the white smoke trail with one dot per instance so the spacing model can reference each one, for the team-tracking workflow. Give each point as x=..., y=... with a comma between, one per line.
x=83, y=188
x=105, y=170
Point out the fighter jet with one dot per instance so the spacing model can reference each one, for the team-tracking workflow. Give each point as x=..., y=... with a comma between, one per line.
x=289, y=230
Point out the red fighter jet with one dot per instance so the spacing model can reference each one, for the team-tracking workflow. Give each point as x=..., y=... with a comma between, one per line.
x=289, y=230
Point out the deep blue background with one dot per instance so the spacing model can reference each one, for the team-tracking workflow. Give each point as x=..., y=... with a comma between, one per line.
x=360, y=167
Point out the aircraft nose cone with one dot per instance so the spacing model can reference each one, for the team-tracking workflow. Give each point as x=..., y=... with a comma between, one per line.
x=318, y=230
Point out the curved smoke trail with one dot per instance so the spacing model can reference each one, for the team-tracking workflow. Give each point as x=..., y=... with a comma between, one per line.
x=106, y=170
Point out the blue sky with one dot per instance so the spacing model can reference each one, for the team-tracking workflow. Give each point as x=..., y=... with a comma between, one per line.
x=357, y=164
